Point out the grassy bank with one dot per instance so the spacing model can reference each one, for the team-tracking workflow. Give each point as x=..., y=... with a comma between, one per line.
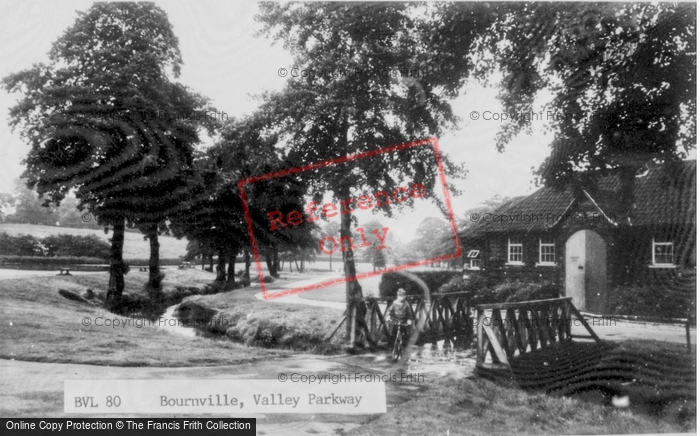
x=268, y=324
x=39, y=324
x=476, y=406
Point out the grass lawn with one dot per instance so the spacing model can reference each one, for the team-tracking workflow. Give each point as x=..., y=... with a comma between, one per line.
x=475, y=406
x=135, y=247
x=38, y=324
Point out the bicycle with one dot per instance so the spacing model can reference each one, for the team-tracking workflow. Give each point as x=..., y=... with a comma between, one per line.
x=398, y=342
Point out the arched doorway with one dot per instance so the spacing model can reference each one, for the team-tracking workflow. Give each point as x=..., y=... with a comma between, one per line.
x=586, y=271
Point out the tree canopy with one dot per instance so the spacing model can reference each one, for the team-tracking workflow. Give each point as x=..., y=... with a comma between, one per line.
x=104, y=119
x=621, y=76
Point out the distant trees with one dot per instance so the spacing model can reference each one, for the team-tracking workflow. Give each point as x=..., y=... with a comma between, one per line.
x=214, y=216
x=29, y=209
x=26, y=207
x=331, y=229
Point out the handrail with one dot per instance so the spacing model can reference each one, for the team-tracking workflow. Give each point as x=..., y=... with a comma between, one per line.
x=386, y=299
x=520, y=327
x=447, y=317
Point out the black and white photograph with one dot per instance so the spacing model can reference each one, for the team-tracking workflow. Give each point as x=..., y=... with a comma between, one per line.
x=348, y=218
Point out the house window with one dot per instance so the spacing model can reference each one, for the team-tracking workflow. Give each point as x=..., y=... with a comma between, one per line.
x=515, y=251
x=662, y=253
x=547, y=256
x=474, y=261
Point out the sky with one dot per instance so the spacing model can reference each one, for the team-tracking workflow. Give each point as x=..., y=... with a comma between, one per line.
x=225, y=61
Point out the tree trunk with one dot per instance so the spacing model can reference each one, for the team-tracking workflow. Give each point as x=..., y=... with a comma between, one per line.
x=271, y=258
x=246, y=274
x=277, y=263
x=117, y=268
x=211, y=262
x=203, y=261
x=268, y=262
x=330, y=261
x=154, y=277
x=353, y=290
x=232, y=267
x=221, y=267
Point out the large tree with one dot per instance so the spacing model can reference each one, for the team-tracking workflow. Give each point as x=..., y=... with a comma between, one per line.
x=620, y=78
x=353, y=99
x=105, y=118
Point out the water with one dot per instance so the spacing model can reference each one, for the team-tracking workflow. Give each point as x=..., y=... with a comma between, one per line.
x=429, y=360
x=173, y=324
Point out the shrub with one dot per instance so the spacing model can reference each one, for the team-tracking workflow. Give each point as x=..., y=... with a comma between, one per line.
x=62, y=245
x=456, y=284
x=535, y=291
x=20, y=245
x=653, y=301
x=391, y=282
x=74, y=245
x=512, y=291
x=51, y=261
x=162, y=261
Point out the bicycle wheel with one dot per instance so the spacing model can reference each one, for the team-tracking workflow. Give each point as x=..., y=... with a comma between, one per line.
x=398, y=347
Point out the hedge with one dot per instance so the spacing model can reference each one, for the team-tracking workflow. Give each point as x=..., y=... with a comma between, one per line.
x=52, y=261
x=76, y=260
x=391, y=282
x=62, y=245
x=162, y=261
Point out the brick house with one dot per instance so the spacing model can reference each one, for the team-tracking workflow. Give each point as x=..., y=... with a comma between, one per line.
x=578, y=239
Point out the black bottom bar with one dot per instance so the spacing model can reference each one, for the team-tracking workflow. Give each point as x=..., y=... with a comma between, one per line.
x=127, y=426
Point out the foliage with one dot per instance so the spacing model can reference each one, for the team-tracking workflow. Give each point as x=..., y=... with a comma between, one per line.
x=104, y=119
x=653, y=301
x=622, y=77
x=391, y=282
x=52, y=261
x=20, y=245
x=214, y=217
x=434, y=237
x=456, y=284
x=510, y=291
x=73, y=245
x=353, y=104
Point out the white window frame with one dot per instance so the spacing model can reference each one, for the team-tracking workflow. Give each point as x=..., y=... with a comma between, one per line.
x=554, y=253
x=522, y=253
x=654, y=263
x=471, y=264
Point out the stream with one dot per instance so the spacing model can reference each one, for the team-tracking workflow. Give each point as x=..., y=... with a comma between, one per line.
x=427, y=359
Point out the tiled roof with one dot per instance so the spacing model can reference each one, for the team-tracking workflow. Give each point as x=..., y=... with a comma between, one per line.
x=660, y=198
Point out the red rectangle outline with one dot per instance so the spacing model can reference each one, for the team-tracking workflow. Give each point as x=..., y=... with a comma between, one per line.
x=329, y=162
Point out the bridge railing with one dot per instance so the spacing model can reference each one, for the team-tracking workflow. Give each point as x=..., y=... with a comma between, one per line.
x=506, y=330
x=447, y=317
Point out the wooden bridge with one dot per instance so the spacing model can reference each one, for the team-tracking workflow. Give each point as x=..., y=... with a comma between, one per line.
x=508, y=330
x=447, y=317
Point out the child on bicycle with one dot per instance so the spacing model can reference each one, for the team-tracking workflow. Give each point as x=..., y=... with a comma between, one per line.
x=400, y=314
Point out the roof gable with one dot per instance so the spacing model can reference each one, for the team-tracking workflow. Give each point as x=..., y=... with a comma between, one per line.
x=660, y=198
